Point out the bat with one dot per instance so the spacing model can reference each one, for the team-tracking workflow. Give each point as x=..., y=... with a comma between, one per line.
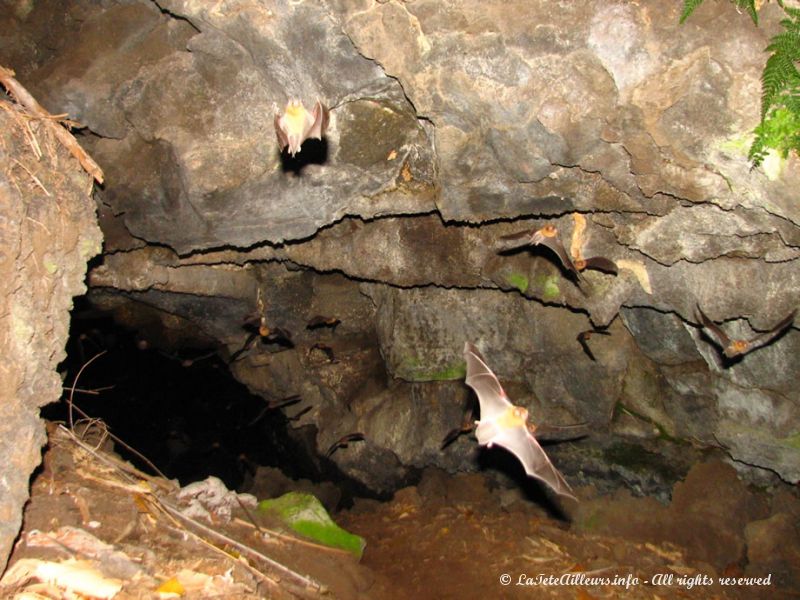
x=258, y=328
x=598, y=263
x=319, y=322
x=546, y=236
x=733, y=348
x=273, y=404
x=297, y=124
x=583, y=340
x=343, y=441
x=507, y=425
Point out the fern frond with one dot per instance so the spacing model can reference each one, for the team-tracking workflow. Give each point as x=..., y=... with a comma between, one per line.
x=688, y=9
x=779, y=74
x=779, y=130
x=786, y=42
x=749, y=6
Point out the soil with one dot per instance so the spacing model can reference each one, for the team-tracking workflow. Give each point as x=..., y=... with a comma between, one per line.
x=448, y=537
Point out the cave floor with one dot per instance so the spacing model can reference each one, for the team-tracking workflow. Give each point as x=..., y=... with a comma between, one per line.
x=448, y=537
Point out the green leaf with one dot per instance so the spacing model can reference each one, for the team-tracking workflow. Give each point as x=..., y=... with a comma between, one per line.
x=305, y=514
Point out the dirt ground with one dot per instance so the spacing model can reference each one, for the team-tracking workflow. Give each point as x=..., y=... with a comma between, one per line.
x=448, y=537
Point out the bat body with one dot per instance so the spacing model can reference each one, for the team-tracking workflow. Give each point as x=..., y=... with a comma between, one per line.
x=546, y=236
x=321, y=321
x=297, y=124
x=733, y=348
x=507, y=425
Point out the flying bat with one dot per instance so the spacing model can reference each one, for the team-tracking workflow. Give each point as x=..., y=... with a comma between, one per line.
x=546, y=236
x=598, y=263
x=507, y=425
x=343, y=442
x=320, y=321
x=297, y=124
x=583, y=340
x=273, y=404
x=733, y=348
x=259, y=330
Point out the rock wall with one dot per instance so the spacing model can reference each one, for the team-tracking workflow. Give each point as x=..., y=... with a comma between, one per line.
x=453, y=123
x=48, y=232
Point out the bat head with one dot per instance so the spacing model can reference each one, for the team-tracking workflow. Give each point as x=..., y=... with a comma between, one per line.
x=579, y=264
x=548, y=231
x=295, y=109
x=735, y=348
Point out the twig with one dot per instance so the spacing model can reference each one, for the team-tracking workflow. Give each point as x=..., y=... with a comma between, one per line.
x=75, y=382
x=172, y=511
x=126, y=469
x=24, y=97
x=129, y=448
x=94, y=392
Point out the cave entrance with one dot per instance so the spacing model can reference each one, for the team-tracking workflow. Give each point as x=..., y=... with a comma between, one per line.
x=184, y=414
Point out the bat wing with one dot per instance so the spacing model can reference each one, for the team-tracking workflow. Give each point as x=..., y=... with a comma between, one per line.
x=600, y=263
x=715, y=333
x=514, y=240
x=318, y=122
x=524, y=446
x=491, y=396
x=556, y=246
x=283, y=140
x=767, y=337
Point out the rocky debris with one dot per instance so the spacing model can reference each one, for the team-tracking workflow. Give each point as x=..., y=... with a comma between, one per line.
x=711, y=499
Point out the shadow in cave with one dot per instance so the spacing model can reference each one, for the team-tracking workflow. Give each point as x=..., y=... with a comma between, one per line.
x=313, y=152
x=183, y=411
x=498, y=459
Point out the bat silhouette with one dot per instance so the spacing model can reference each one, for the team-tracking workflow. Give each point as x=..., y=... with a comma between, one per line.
x=507, y=425
x=297, y=124
x=598, y=263
x=583, y=340
x=260, y=330
x=320, y=321
x=343, y=441
x=273, y=404
x=546, y=236
x=733, y=348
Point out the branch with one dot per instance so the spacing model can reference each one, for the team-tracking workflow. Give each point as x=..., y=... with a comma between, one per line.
x=24, y=97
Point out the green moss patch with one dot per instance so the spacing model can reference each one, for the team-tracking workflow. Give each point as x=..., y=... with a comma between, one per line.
x=304, y=514
x=518, y=281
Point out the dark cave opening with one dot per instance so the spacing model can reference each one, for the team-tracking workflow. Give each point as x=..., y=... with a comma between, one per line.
x=183, y=411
